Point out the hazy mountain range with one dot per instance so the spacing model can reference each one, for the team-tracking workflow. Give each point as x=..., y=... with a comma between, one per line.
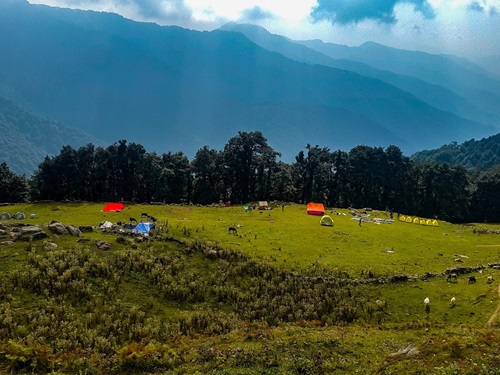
x=173, y=89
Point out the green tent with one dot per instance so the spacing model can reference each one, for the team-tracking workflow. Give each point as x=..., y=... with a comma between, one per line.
x=326, y=220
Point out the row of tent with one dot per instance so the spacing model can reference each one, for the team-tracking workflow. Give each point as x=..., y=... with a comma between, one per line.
x=416, y=220
x=16, y=216
x=319, y=209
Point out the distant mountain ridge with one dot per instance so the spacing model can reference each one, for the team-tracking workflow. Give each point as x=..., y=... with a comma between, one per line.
x=338, y=56
x=466, y=79
x=172, y=89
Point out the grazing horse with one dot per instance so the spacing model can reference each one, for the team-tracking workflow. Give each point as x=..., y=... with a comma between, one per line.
x=452, y=276
x=472, y=279
x=132, y=219
x=232, y=230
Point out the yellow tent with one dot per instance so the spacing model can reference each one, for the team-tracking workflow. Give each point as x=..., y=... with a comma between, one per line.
x=435, y=223
x=409, y=219
x=416, y=221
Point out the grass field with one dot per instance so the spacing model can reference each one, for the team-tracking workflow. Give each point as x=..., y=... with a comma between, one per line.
x=295, y=240
x=283, y=295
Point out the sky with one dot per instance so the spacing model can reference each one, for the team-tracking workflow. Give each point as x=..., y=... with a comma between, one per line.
x=469, y=28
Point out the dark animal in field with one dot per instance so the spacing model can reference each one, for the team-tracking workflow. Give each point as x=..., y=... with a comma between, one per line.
x=119, y=223
x=452, y=276
x=144, y=214
x=472, y=279
x=132, y=219
x=232, y=230
x=152, y=218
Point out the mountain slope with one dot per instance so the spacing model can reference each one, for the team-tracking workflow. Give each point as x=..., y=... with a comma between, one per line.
x=478, y=86
x=173, y=89
x=490, y=63
x=27, y=137
x=483, y=153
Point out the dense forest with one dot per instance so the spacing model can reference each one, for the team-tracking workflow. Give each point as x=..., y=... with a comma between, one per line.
x=247, y=169
x=484, y=153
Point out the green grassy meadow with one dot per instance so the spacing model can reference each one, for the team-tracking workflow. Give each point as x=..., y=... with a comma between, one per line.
x=294, y=240
x=284, y=295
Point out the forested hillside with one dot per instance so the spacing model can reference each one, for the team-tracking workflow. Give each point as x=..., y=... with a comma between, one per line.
x=248, y=169
x=26, y=138
x=484, y=153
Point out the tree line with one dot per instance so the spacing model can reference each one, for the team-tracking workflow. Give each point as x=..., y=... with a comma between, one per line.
x=248, y=169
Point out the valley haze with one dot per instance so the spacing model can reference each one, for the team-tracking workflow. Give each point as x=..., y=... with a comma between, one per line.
x=171, y=88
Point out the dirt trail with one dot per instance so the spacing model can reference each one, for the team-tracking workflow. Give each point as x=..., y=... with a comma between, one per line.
x=493, y=317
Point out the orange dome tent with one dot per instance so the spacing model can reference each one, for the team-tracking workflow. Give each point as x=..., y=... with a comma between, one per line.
x=315, y=208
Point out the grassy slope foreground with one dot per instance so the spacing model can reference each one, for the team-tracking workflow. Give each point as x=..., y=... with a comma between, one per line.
x=283, y=296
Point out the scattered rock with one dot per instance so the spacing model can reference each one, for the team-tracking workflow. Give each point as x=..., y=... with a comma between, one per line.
x=398, y=278
x=57, y=228
x=75, y=232
x=30, y=232
x=86, y=228
x=102, y=245
x=409, y=350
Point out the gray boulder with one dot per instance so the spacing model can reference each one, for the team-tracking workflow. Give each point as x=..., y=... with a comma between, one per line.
x=74, y=231
x=31, y=232
x=102, y=245
x=57, y=228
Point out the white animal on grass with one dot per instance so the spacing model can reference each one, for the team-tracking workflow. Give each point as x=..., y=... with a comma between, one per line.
x=427, y=301
x=489, y=279
x=452, y=301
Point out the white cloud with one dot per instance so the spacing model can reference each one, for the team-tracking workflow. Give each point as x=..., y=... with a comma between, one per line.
x=231, y=9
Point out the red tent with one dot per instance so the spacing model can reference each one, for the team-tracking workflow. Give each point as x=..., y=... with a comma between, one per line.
x=114, y=207
x=315, y=208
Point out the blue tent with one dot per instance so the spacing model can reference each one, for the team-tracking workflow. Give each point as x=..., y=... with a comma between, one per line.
x=143, y=228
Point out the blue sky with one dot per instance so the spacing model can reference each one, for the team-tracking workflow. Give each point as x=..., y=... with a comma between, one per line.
x=469, y=28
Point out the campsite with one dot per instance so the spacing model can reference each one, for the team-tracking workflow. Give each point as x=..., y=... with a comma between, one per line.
x=280, y=294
